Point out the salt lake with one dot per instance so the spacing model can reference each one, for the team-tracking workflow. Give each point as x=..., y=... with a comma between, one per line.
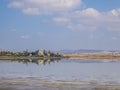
x=84, y=72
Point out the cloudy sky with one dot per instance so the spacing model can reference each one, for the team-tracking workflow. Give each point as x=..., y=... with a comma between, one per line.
x=59, y=24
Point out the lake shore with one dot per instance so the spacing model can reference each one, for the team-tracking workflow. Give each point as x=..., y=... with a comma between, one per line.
x=81, y=56
x=93, y=56
x=43, y=84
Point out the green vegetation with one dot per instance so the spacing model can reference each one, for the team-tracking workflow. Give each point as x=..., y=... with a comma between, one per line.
x=10, y=53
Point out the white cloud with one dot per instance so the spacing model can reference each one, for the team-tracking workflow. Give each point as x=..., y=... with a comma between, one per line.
x=24, y=36
x=89, y=12
x=86, y=19
x=61, y=20
x=92, y=19
x=82, y=27
x=44, y=6
x=115, y=38
x=115, y=12
x=16, y=4
x=31, y=11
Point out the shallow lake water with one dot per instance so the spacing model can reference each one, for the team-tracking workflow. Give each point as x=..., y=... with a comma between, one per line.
x=71, y=71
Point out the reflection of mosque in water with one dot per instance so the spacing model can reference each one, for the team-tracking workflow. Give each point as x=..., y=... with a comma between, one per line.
x=38, y=61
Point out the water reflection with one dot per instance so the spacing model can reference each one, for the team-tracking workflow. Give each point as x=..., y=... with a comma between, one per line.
x=68, y=70
x=38, y=61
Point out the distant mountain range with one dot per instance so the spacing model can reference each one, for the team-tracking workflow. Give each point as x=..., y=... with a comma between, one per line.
x=88, y=51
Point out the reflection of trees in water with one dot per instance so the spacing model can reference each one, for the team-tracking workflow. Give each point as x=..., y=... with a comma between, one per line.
x=38, y=61
x=45, y=61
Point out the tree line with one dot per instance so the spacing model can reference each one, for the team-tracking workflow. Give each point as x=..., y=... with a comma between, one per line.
x=41, y=53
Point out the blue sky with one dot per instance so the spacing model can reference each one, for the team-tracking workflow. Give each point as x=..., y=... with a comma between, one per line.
x=59, y=24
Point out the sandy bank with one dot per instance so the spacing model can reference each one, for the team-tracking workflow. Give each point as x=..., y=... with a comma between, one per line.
x=93, y=56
